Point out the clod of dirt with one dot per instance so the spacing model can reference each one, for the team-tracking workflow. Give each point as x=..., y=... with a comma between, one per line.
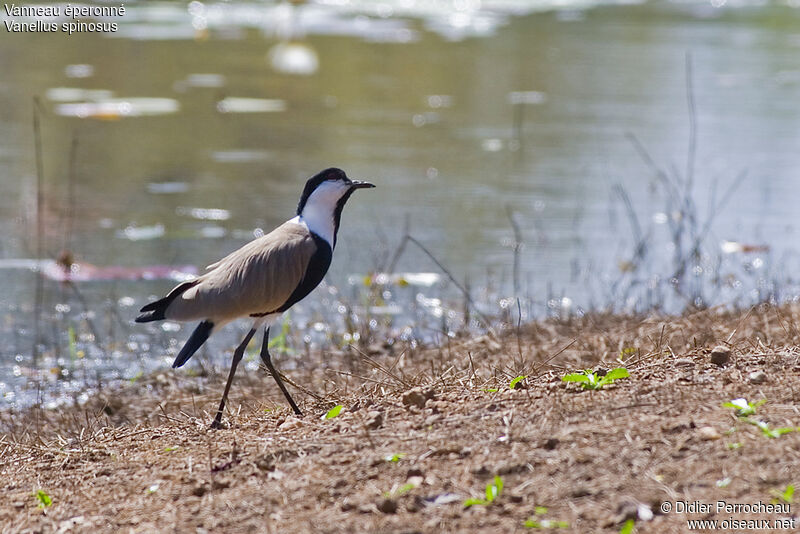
x=374, y=420
x=720, y=355
x=414, y=397
x=414, y=472
x=388, y=506
x=708, y=433
x=757, y=377
x=580, y=491
x=549, y=444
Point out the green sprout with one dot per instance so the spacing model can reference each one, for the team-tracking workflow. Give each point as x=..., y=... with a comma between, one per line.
x=733, y=446
x=490, y=390
x=73, y=344
x=539, y=522
x=785, y=495
x=743, y=407
x=395, y=457
x=627, y=527
x=493, y=491
x=43, y=498
x=402, y=490
x=771, y=432
x=333, y=412
x=170, y=449
x=627, y=351
x=589, y=379
x=136, y=377
x=281, y=341
x=514, y=382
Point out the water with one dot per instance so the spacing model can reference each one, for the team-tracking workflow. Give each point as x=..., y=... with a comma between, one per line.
x=196, y=127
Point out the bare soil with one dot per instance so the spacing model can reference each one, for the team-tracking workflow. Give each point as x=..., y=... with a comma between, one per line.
x=141, y=458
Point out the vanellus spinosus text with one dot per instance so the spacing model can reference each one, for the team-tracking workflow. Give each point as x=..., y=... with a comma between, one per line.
x=262, y=279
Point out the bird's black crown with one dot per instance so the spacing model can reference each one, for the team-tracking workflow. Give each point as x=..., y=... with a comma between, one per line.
x=323, y=176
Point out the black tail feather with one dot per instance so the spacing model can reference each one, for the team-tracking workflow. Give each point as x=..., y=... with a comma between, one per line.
x=155, y=310
x=195, y=341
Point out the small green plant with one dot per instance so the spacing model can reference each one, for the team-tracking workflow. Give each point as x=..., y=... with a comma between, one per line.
x=43, y=498
x=785, y=495
x=170, y=449
x=743, y=407
x=333, y=412
x=544, y=523
x=73, y=344
x=136, y=377
x=490, y=390
x=627, y=527
x=540, y=522
x=515, y=381
x=493, y=491
x=281, y=341
x=401, y=490
x=733, y=446
x=394, y=458
x=771, y=432
x=589, y=379
x=626, y=352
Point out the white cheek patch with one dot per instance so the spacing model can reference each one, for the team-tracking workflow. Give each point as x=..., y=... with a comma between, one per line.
x=328, y=194
x=318, y=212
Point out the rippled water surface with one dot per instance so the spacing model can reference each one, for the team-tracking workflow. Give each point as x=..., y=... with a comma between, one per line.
x=192, y=128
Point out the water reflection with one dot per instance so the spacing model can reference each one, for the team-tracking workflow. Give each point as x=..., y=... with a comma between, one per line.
x=463, y=112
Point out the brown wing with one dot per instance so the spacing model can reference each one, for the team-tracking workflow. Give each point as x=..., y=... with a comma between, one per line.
x=257, y=278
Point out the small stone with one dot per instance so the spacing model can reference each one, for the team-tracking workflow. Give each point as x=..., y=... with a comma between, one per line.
x=433, y=419
x=374, y=420
x=684, y=362
x=291, y=424
x=414, y=397
x=388, y=506
x=757, y=377
x=415, y=481
x=720, y=355
x=708, y=433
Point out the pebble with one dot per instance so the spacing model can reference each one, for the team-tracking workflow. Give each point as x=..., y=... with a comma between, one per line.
x=414, y=397
x=757, y=377
x=708, y=433
x=720, y=355
x=291, y=424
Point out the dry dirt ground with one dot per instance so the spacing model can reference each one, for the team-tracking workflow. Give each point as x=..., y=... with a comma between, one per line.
x=141, y=458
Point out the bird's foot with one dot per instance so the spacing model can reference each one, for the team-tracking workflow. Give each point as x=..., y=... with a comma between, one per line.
x=216, y=424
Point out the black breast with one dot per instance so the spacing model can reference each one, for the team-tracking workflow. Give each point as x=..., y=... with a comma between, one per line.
x=315, y=272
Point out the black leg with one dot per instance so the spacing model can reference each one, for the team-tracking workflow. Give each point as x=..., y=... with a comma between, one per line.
x=237, y=357
x=265, y=357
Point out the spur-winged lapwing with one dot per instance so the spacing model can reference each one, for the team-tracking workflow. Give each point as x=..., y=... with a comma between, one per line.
x=262, y=279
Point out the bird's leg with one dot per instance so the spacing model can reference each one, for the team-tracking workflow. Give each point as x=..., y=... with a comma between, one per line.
x=265, y=357
x=237, y=357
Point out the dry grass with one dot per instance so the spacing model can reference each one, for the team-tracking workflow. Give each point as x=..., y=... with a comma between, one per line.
x=142, y=459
